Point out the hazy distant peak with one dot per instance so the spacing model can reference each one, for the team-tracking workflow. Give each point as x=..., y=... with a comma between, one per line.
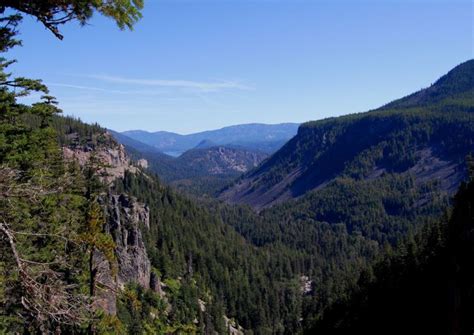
x=258, y=136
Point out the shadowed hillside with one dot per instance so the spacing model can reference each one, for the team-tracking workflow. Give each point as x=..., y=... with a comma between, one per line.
x=428, y=140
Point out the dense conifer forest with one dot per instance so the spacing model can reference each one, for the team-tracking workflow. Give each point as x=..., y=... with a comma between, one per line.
x=425, y=286
x=369, y=239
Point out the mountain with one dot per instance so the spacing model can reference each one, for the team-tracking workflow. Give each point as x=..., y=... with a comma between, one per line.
x=255, y=136
x=424, y=287
x=457, y=83
x=132, y=143
x=121, y=253
x=94, y=242
x=220, y=160
x=202, y=170
x=206, y=168
x=425, y=135
x=205, y=144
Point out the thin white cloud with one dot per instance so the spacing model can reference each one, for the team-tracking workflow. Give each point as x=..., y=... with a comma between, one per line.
x=89, y=88
x=183, y=84
x=151, y=92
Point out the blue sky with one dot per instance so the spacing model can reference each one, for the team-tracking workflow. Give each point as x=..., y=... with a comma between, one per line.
x=197, y=65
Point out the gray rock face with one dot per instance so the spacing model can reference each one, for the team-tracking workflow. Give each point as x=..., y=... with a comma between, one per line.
x=106, y=284
x=125, y=217
x=113, y=157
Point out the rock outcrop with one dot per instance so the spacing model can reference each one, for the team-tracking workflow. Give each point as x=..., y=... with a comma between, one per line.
x=125, y=219
x=113, y=159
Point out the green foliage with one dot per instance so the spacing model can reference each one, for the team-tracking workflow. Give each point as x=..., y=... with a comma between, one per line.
x=198, y=172
x=384, y=209
x=457, y=85
x=214, y=262
x=356, y=145
x=145, y=312
x=73, y=132
x=218, y=260
x=54, y=13
x=425, y=287
x=47, y=220
x=41, y=216
x=203, y=187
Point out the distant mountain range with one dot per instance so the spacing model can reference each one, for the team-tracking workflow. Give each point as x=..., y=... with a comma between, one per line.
x=220, y=161
x=262, y=137
x=131, y=143
x=423, y=137
x=205, y=168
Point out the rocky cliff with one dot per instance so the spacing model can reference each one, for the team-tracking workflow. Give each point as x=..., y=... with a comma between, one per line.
x=112, y=158
x=125, y=219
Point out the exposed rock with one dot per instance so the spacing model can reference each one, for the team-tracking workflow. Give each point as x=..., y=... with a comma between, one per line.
x=157, y=285
x=233, y=327
x=114, y=159
x=220, y=160
x=143, y=163
x=125, y=216
x=306, y=285
x=125, y=219
x=254, y=191
x=248, y=191
x=202, y=305
x=429, y=167
x=106, y=289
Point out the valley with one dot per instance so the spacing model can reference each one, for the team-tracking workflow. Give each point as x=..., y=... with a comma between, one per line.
x=361, y=223
x=320, y=208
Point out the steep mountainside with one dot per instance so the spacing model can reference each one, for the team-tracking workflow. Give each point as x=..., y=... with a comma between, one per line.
x=152, y=260
x=172, y=265
x=427, y=140
x=456, y=84
x=132, y=143
x=424, y=287
x=204, y=169
x=220, y=160
x=262, y=137
x=89, y=233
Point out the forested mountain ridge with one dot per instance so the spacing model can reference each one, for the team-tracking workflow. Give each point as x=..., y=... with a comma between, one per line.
x=91, y=243
x=138, y=257
x=179, y=267
x=172, y=254
x=457, y=83
x=133, y=144
x=202, y=162
x=222, y=160
x=428, y=141
x=426, y=286
x=205, y=169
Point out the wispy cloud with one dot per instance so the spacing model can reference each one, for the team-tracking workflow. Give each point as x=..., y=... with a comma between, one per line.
x=150, y=92
x=89, y=88
x=182, y=84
